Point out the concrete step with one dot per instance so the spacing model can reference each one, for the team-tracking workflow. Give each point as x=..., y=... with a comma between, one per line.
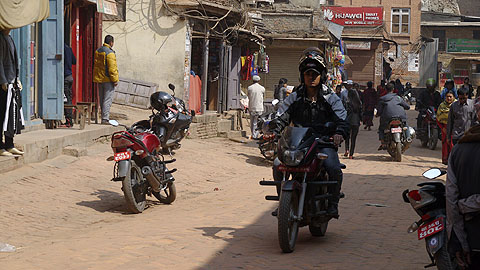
x=43, y=144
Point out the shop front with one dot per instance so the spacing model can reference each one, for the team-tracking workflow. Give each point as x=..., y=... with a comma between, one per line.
x=461, y=60
x=363, y=54
x=363, y=35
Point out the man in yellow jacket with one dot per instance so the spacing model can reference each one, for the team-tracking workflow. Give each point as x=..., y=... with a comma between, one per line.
x=105, y=73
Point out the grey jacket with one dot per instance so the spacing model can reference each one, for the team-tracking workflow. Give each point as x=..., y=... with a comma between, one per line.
x=460, y=118
x=8, y=60
x=391, y=105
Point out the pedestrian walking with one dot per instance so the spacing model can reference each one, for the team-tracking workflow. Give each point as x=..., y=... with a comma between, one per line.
x=69, y=60
x=460, y=117
x=442, y=118
x=468, y=86
x=255, y=94
x=338, y=91
x=399, y=87
x=462, y=192
x=370, y=100
x=449, y=86
x=105, y=73
x=11, y=118
x=354, y=112
x=281, y=90
x=381, y=89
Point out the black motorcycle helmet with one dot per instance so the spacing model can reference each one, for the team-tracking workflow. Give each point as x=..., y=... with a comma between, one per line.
x=160, y=100
x=312, y=59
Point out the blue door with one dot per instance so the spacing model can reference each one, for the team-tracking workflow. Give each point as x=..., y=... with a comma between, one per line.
x=21, y=37
x=51, y=63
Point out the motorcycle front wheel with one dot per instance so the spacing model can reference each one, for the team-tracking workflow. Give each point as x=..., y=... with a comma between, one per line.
x=433, y=140
x=287, y=222
x=133, y=189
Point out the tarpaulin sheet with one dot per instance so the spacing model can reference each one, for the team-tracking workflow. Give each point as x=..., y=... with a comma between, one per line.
x=18, y=13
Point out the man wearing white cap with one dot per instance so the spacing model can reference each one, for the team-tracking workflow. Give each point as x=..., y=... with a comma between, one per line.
x=255, y=104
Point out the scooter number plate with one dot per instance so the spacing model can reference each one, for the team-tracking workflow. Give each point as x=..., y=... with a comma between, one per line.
x=396, y=130
x=430, y=228
x=122, y=156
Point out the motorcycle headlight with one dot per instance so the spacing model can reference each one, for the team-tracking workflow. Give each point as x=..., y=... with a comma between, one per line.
x=293, y=157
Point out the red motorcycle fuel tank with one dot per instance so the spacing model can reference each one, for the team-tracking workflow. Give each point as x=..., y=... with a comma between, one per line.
x=150, y=140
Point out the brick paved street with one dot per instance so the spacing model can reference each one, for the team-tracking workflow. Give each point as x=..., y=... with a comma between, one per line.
x=66, y=214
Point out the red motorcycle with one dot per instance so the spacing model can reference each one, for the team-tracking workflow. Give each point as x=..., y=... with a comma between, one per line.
x=141, y=167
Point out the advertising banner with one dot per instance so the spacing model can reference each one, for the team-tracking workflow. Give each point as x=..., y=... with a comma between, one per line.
x=354, y=16
x=463, y=45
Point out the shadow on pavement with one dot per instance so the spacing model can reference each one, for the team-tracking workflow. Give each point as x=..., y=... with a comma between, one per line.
x=112, y=202
x=364, y=237
x=257, y=160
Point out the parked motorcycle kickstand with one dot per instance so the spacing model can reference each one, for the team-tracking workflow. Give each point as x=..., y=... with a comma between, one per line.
x=433, y=261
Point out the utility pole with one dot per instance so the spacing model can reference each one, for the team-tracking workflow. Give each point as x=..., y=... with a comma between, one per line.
x=205, y=69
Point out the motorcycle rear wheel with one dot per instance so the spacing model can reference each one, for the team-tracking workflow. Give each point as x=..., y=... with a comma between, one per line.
x=170, y=194
x=318, y=231
x=444, y=261
x=287, y=224
x=132, y=186
x=398, y=152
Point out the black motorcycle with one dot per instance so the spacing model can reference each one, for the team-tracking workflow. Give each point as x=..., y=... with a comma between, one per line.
x=170, y=120
x=429, y=203
x=266, y=143
x=428, y=132
x=304, y=195
x=398, y=138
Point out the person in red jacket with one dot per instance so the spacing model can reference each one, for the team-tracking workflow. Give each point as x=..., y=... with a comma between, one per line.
x=381, y=89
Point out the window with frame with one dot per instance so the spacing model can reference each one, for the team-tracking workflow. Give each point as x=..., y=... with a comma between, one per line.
x=440, y=34
x=400, y=21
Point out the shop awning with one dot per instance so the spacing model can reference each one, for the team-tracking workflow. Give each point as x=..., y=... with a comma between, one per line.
x=106, y=6
x=18, y=13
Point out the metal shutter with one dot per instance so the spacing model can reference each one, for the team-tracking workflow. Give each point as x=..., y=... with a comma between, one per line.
x=283, y=64
x=363, y=68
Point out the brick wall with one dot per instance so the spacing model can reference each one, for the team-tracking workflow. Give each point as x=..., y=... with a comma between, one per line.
x=451, y=32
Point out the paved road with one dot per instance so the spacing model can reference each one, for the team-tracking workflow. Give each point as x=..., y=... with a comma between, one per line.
x=66, y=214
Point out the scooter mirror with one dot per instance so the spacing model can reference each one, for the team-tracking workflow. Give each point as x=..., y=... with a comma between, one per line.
x=432, y=173
x=113, y=123
x=171, y=86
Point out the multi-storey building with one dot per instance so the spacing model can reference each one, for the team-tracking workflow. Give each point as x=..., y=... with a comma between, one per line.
x=381, y=37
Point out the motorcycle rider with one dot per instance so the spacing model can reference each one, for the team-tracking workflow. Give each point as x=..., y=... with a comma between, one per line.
x=463, y=198
x=428, y=98
x=449, y=86
x=389, y=106
x=313, y=105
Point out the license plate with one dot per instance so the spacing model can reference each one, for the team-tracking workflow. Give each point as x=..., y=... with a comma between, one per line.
x=430, y=228
x=122, y=156
x=396, y=130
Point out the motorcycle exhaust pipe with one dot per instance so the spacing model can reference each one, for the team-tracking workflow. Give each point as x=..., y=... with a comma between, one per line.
x=152, y=180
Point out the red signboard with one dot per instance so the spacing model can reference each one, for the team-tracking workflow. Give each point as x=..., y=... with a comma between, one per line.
x=354, y=16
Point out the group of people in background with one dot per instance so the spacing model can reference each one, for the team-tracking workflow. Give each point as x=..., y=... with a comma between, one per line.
x=454, y=116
